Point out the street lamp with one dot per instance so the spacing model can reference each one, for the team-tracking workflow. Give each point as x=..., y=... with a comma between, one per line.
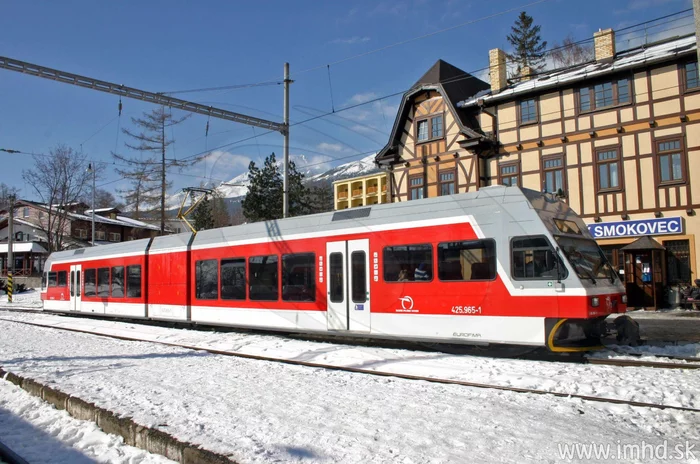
x=94, y=174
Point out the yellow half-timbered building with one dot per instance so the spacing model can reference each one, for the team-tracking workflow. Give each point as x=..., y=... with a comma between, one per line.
x=618, y=138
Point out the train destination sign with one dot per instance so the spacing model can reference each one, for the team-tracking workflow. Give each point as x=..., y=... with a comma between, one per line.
x=661, y=226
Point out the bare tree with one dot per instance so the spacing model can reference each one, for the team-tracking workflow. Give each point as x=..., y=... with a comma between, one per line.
x=6, y=192
x=148, y=172
x=103, y=199
x=58, y=180
x=570, y=52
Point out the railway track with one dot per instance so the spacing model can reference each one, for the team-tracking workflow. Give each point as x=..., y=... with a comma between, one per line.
x=356, y=370
x=10, y=457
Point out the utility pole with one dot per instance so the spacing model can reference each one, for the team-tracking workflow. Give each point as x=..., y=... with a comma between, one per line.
x=162, y=177
x=10, y=255
x=93, y=170
x=696, y=12
x=285, y=123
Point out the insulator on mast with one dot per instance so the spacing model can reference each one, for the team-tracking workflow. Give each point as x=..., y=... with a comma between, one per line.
x=120, y=106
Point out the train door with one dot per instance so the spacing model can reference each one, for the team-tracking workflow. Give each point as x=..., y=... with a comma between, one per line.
x=74, y=283
x=348, y=285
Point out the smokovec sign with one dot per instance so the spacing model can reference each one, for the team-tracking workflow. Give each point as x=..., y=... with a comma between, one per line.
x=662, y=226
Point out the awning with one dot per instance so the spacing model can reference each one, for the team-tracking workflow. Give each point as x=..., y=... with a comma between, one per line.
x=23, y=247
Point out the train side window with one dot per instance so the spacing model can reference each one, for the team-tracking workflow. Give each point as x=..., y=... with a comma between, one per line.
x=133, y=281
x=62, y=279
x=299, y=277
x=233, y=279
x=533, y=258
x=206, y=280
x=358, y=266
x=337, y=279
x=263, y=276
x=467, y=260
x=44, y=280
x=90, y=278
x=118, y=282
x=77, y=282
x=408, y=263
x=53, y=279
x=103, y=282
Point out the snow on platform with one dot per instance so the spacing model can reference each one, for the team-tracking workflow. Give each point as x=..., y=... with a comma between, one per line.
x=31, y=299
x=41, y=434
x=258, y=411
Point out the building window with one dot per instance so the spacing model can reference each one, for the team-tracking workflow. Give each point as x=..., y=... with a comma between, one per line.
x=82, y=233
x=263, y=277
x=299, y=277
x=115, y=237
x=415, y=187
x=436, y=129
x=25, y=212
x=553, y=174
x=528, y=111
x=206, y=280
x=99, y=235
x=469, y=260
x=604, y=94
x=405, y=263
x=430, y=128
x=422, y=130
x=670, y=161
x=691, y=76
x=678, y=261
x=509, y=174
x=608, y=169
x=446, y=183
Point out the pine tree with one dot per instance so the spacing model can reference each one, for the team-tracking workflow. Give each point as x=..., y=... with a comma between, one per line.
x=202, y=215
x=263, y=202
x=527, y=44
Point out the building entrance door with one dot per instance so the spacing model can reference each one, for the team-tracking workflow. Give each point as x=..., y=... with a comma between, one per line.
x=645, y=273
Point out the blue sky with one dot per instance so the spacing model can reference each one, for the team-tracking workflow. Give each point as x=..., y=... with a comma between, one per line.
x=174, y=45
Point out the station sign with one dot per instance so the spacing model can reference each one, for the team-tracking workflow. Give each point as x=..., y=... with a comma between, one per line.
x=661, y=226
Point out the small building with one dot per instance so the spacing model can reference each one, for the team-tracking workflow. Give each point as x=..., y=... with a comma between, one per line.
x=30, y=226
x=360, y=191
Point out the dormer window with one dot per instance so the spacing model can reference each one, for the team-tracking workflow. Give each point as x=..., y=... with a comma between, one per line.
x=430, y=128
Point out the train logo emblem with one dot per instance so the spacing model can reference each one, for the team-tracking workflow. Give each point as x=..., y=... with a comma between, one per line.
x=608, y=303
x=406, y=302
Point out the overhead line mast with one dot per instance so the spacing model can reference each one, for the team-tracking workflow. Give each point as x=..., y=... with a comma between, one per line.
x=162, y=99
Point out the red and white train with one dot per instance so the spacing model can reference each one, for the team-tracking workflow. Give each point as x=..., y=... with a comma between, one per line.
x=501, y=265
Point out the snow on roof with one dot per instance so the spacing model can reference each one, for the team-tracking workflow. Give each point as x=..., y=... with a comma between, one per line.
x=624, y=60
x=101, y=210
x=119, y=221
x=23, y=247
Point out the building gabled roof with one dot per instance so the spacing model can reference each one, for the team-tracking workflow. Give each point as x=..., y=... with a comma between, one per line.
x=644, y=243
x=454, y=85
x=626, y=60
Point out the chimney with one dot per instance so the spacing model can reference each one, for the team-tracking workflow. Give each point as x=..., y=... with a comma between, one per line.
x=525, y=73
x=497, y=70
x=604, y=45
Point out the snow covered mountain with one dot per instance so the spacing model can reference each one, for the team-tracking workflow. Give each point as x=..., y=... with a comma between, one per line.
x=237, y=187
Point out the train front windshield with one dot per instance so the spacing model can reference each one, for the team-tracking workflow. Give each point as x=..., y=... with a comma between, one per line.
x=587, y=259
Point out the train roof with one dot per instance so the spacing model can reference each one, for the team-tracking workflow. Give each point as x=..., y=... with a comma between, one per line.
x=485, y=204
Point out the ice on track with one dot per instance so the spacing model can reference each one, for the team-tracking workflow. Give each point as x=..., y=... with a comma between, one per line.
x=257, y=411
x=40, y=433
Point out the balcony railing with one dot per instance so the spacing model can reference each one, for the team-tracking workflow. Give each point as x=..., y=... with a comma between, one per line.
x=357, y=192
x=372, y=190
x=343, y=195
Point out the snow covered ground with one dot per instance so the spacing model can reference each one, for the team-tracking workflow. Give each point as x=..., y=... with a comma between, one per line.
x=257, y=411
x=41, y=434
x=31, y=299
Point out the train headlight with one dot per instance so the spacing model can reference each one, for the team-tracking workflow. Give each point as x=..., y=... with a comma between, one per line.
x=624, y=299
x=595, y=302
